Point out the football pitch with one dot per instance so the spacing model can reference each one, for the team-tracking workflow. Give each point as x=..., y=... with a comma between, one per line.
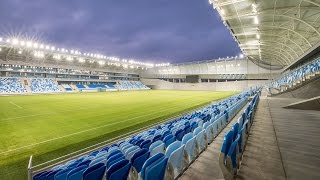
x=49, y=126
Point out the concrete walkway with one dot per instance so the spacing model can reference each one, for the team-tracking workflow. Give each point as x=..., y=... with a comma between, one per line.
x=206, y=166
x=283, y=143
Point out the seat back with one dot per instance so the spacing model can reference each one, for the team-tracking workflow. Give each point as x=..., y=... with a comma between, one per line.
x=169, y=139
x=189, y=147
x=179, y=134
x=235, y=129
x=157, y=147
x=118, y=156
x=139, y=158
x=157, y=170
x=175, y=154
x=227, y=141
x=76, y=173
x=154, y=167
x=186, y=138
x=119, y=170
x=94, y=172
x=197, y=130
x=62, y=175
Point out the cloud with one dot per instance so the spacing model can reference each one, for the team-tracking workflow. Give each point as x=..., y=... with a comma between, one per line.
x=180, y=30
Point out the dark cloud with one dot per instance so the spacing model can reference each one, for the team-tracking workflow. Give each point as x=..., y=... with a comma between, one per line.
x=174, y=30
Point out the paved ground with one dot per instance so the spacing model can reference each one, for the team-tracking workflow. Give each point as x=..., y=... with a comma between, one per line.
x=283, y=144
x=206, y=166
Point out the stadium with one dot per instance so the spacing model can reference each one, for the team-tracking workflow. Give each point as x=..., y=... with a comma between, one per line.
x=68, y=114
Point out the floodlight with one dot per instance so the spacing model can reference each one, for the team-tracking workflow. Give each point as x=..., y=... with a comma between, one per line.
x=15, y=41
x=20, y=52
x=41, y=46
x=47, y=47
x=258, y=36
x=53, y=48
x=35, y=45
x=22, y=43
x=0, y=49
x=1, y=39
x=8, y=40
x=256, y=20
x=29, y=44
x=241, y=56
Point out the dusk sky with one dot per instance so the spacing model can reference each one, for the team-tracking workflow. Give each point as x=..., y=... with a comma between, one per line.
x=148, y=30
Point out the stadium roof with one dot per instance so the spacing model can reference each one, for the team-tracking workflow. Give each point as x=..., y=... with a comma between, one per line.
x=272, y=33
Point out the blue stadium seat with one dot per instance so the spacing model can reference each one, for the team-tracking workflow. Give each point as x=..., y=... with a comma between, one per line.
x=169, y=139
x=119, y=170
x=154, y=168
x=157, y=147
x=76, y=174
x=189, y=142
x=94, y=172
x=174, y=153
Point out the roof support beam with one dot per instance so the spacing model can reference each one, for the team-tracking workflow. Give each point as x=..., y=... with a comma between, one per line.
x=262, y=13
x=273, y=50
x=267, y=34
x=276, y=27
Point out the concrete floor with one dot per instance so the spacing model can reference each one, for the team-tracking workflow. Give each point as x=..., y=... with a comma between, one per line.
x=206, y=166
x=283, y=144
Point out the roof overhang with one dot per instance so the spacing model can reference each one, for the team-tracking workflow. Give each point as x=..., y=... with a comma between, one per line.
x=273, y=33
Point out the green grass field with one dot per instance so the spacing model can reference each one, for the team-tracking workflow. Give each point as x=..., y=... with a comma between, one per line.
x=48, y=126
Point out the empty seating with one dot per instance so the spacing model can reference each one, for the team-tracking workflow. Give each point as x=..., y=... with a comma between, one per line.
x=131, y=85
x=234, y=142
x=44, y=85
x=163, y=151
x=11, y=85
x=288, y=79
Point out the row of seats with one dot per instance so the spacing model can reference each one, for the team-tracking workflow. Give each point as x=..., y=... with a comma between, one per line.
x=131, y=85
x=235, y=141
x=161, y=152
x=40, y=85
x=296, y=75
x=232, y=76
x=11, y=85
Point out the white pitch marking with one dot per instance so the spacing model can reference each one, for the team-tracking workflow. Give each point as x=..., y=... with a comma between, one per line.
x=15, y=105
x=53, y=139
x=91, y=129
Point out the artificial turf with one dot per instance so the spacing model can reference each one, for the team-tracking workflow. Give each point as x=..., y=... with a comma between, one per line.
x=49, y=126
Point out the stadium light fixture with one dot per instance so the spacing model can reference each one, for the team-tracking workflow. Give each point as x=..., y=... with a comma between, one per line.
x=41, y=46
x=69, y=58
x=22, y=43
x=1, y=39
x=256, y=20
x=258, y=36
x=47, y=47
x=81, y=60
x=53, y=48
x=20, y=52
x=241, y=56
x=8, y=40
x=15, y=41
x=29, y=44
x=35, y=45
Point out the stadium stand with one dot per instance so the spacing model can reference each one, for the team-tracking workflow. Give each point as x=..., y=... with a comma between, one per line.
x=163, y=152
x=295, y=77
x=42, y=85
x=235, y=141
x=11, y=85
x=131, y=85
